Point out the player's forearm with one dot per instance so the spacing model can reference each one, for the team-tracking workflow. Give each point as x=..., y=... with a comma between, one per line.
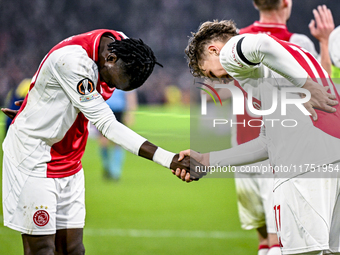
x=244, y=154
x=106, y=123
x=157, y=154
x=325, y=59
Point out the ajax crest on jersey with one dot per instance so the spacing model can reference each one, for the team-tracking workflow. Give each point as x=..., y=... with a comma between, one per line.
x=41, y=218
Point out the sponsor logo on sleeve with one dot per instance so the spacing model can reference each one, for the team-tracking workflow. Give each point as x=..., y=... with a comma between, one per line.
x=89, y=97
x=86, y=89
x=85, y=86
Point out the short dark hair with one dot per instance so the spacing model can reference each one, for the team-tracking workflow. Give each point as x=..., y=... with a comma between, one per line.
x=267, y=5
x=207, y=32
x=139, y=59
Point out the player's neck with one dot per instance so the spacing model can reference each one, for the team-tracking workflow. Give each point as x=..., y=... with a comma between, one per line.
x=277, y=17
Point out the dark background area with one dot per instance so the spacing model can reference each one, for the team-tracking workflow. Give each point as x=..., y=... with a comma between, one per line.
x=29, y=29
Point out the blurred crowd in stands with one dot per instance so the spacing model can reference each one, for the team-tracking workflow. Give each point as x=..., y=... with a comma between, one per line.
x=29, y=29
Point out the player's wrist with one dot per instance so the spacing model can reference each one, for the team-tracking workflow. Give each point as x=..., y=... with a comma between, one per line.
x=163, y=157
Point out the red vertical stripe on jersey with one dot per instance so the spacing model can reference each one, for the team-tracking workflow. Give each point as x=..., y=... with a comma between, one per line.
x=246, y=133
x=67, y=153
x=327, y=122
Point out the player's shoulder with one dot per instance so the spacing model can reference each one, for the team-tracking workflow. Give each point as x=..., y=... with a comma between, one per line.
x=69, y=55
x=304, y=42
x=72, y=60
x=296, y=37
x=238, y=44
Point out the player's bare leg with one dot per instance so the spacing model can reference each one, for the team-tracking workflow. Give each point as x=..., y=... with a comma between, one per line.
x=38, y=244
x=273, y=243
x=263, y=240
x=268, y=242
x=69, y=241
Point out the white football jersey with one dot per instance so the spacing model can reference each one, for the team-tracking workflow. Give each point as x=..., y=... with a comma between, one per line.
x=48, y=136
x=247, y=59
x=241, y=134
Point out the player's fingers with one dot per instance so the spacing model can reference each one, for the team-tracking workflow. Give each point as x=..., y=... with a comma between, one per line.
x=10, y=113
x=322, y=10
x=331, y=96
x=328, y=108
x=321, y=15
x=311, y=110
x=317, y=16
x=311, y=26
x=182, y=154
x=327, y=17
x=18, y=103
x=173, y=171
x=178, y=173
x=187, y=177
x=332, y=102
x=330, y=16
x=183, y=174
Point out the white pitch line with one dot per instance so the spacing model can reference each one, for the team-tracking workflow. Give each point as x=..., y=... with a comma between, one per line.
x=162, y=114
x=168, y=233
x=148, y=233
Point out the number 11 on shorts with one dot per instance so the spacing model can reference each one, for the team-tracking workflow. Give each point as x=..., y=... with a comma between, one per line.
x=277, y=213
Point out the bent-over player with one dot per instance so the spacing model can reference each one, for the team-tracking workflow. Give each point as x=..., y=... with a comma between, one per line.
x=43, y=179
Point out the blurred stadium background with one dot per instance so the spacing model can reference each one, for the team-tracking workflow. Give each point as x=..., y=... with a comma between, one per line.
x=149, y=211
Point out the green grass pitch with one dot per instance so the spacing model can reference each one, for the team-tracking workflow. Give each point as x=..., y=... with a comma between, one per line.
x=150, y=211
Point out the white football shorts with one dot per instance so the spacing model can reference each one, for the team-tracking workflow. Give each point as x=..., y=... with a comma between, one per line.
x=255, y=199
x=40, y=206
x=307, y=215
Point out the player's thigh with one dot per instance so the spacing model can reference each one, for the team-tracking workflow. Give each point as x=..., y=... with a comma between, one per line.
x=69, y=241
x=38, y=245
x=266, y=184
x=249, y=201
x=29, y=203
x=71, y=202
x=303, y=210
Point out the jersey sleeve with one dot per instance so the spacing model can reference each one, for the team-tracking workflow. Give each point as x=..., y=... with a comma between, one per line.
x=246, y=153
x=243, y=55
x=77, y=74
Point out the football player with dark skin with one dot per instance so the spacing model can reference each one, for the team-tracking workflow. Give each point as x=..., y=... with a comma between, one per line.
x=114, y=71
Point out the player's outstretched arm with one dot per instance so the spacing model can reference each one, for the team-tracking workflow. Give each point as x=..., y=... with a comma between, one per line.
x=321, y=27
x=168, y=159
x=244, y=154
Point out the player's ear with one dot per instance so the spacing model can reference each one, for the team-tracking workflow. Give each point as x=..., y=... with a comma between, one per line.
x=111, y=57
x=285, y=3
x=212, y=49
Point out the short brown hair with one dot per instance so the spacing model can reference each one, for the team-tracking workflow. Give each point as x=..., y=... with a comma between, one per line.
x=208, y=31
x=267, y=5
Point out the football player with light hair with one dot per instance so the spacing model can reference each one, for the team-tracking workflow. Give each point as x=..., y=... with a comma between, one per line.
x=216, y=51
x=254, y=192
